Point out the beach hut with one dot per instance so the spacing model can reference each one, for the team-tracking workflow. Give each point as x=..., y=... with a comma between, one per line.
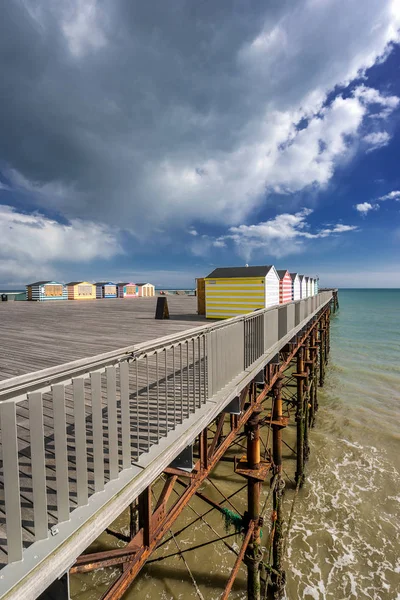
x=46, y=290
x=146, y=289
x=285, y=286
x=127, y=290
x=302, y=286
x=81, y=290
x=106, y=289
x=316, y=285
x=312, y=285
x=307, y=286
x=295, y=286
x=232, y=291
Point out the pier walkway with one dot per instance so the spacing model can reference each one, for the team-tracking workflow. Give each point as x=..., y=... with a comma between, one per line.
x=81, y=440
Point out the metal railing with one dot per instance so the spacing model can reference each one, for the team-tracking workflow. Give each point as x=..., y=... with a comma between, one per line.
x=66, y=432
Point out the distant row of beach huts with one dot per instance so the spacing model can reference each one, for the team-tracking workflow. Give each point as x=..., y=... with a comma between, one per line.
x=231, y=291
x=83, y=290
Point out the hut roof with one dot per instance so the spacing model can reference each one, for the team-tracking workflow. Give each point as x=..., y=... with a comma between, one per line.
x=43, y=282
x=104, y=283
x=78, y=282
x=145, y=283
x=294, y=275
x=282, y=273
x=227, y=272
x=126, y=283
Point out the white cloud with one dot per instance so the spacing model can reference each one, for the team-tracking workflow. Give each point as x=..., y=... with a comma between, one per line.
x=365, y=207
x=138, y=115
x=394, y=195
x=32, y=245
x=280, y=236
x=81, y=27
x=376, y=140
x=193, y=232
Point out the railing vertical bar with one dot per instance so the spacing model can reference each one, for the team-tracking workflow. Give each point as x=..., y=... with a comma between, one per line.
x=199, y=367
x=174, y=383
x=125, y=414
x=209, y=364
x=11, y=480
x=205, y=367
x=181, y=372
x=78, y=385
x=112, y=421
x=137, y=407
x=98, y=434
x=60, y=444
x=148, y=401
x=194, y=374
x=158, y=397
x=38, y=466
x=166, y=391
x=187, y=377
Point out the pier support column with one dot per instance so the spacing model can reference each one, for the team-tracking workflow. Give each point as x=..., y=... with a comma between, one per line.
x=327, y=335
x=308, y=386
x=253, y=554
x=321, y=353
x=278, y=577
x=300, y=376
x=313, y=380
x=145, y=515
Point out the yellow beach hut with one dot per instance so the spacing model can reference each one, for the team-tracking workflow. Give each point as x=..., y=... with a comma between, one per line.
x=81, y=290
x=232, y=291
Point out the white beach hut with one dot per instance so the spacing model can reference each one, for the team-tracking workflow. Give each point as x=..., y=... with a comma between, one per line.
x=296, y=293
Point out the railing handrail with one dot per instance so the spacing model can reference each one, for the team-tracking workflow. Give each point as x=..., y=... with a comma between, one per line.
x=20, y=385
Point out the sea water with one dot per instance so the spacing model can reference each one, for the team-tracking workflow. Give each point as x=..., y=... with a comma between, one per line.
x=344, y=542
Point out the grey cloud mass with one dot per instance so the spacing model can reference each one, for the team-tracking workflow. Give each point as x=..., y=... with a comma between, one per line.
x=135, y=113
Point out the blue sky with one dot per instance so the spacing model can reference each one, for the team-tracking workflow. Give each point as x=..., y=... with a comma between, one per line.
x=155, y=141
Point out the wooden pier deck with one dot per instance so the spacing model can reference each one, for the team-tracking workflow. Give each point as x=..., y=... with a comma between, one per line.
x=37, y=335
x=79, y=441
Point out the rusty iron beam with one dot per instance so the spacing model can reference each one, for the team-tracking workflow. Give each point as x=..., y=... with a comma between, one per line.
x=238, y=561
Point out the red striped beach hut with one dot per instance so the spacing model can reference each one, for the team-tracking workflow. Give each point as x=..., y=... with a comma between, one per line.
x=285, y=286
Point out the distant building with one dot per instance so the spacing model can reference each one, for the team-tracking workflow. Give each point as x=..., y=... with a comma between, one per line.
x=232, y=291
x=46, y=290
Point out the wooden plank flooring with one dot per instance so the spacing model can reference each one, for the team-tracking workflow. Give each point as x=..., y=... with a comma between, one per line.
x=40, y=335
x=36, y=335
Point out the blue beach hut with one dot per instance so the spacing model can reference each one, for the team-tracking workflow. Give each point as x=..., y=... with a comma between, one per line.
x=42, y=291
x=106, y=289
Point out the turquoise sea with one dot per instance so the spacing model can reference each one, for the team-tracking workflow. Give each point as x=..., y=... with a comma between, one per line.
x=345, y=538
x=345, y=541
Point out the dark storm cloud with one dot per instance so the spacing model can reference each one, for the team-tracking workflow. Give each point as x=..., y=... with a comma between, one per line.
x=133, y=112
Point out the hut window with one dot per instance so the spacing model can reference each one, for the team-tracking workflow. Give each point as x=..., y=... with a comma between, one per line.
x=84, y=290
x=130, y=290
x=109, y=289
x=53, y=290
